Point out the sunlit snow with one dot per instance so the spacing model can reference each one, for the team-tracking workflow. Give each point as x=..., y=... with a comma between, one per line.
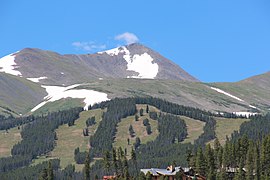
x=8, y=65
x=36, y=80
x=227, y=94
x=57, y=92
x=112, y=52
x=254, y=107
x=142, y=64
x=247, y=114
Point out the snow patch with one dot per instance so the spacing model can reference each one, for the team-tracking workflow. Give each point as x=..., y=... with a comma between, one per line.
x=247, y=114
x=227, y=94
x=112, y=52
x=36, y=80
x=254, y=107
x=57, y=92
x=8, y=65
x=142, y=64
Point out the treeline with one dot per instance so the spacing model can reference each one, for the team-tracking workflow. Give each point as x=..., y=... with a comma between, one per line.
x=256, y=128
x=11, y=121
x=172, y=130
x=242, y=159
x=195, y=113
x=176, y=109
x=31, y=172
x=104, y=136
x=165, y=149
x=79, y=156
x=38, y=138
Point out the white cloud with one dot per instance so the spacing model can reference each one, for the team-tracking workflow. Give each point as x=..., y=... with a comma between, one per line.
x=129, y=38
x=88, y=46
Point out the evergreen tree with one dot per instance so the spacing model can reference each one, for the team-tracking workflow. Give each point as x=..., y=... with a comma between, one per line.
x=87, y=167
x=210, y=163
x=106, y=159
x=142, y=176
x=250, y=162
x=43, y=175
x=136, y=117
x=222, y=174
x=131, y=131
x=134, y=159
x=141, y=112
x=146, y=122
x=148, y=129
x=200, y=162
x=50, y=171
x=240, y=175
x=115, y=163
x=147, y=109
x=148, y=176
x=257, y=162
x=137, y=142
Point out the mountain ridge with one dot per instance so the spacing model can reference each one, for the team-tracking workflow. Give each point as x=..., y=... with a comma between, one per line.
x=121, y=72
x=134, y=61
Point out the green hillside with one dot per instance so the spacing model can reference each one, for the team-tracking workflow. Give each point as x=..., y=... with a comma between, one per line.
x=8, y=139
x=19, y=95
x=71, y=137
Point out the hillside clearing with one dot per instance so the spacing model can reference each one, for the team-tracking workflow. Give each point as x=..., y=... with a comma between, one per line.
x=72, y=137
x=225, y=127
x=8, y=140
x=140, y=130
x=194, y=129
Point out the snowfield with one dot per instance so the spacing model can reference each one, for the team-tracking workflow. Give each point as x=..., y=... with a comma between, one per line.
x=142, y=64
x=247, y=114
x=57, y=92
x=113, y=52
x=234, y=97
x=36, y=80
x=227, y=94
x=8, y=65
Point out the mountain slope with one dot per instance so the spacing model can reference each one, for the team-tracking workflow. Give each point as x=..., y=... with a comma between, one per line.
x=132, y=61
x=35, y=79
x=18, y=95
x=255, y=90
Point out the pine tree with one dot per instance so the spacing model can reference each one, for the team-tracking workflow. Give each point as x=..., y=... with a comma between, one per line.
x=106, y=159
x=250, y=162
x=257, y=163
x=50, y=171
x=222, y=174
x=131, y=131
x=114, y=159
x=87, y=167
x=126, y=172
x=148, y=129
x=200, y=162
x=136, y=117
x=141, y=112
x=148, y=176
x=210, y=162
x=142, y=176
x=147, y=109
x=240, y=175
x=134, y=159
x=137, y=142
x=43, y=175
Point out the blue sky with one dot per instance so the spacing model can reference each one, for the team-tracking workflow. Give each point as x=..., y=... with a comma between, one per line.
x=213, y=40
